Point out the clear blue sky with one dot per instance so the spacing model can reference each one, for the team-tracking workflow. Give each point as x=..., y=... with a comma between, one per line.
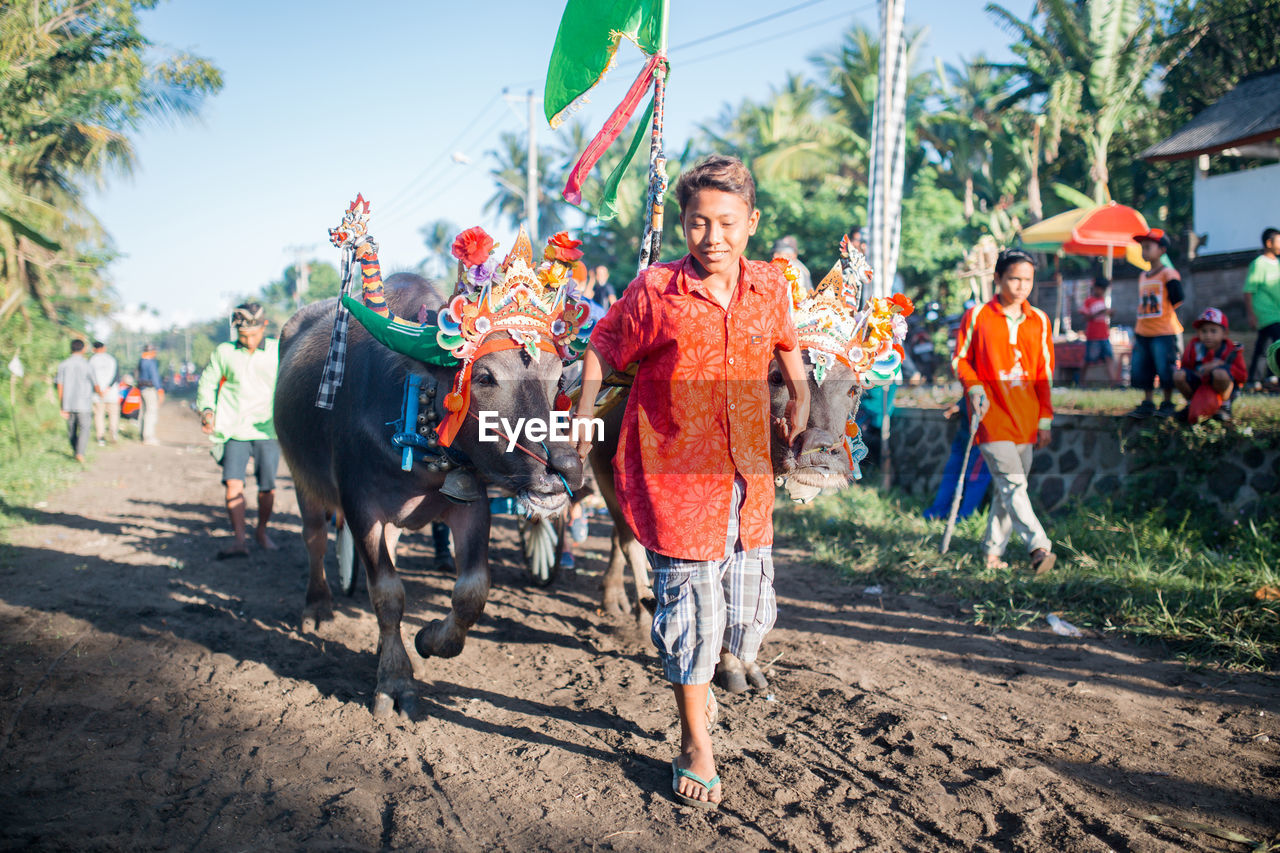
x=325, y=99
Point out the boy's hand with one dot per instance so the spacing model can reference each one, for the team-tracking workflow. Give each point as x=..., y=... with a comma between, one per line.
x=978, y=400
x=1043, y=438
x=1209, y=366
x=206, y=421
x=584, y=437
x=794, y=420
x=797, y=416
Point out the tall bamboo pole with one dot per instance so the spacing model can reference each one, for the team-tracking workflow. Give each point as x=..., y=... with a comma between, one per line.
x=651, y=241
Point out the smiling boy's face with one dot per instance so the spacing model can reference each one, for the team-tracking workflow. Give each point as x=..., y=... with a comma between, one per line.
x=716, y=227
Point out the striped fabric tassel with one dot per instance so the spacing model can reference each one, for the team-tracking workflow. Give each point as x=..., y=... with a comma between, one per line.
x=335, y=363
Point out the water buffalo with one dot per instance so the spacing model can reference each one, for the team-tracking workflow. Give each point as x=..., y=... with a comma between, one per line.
x=343, y=462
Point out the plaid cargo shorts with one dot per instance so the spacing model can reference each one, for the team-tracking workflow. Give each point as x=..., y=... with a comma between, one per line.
x=706, y=605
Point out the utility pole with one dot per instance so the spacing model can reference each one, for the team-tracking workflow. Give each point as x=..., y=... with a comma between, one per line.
x=302, y=269
x=531, y=198
x=531, y=180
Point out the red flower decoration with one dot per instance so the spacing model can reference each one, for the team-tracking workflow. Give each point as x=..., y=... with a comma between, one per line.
x=473, y=246
x=901, y=300
x=563, y=248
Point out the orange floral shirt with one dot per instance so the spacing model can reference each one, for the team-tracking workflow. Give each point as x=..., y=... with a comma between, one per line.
x=698, y=411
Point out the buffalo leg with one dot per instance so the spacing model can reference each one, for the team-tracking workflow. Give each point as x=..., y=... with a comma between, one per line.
x=615, y=595
x=315, y=535
x=469, y=524
x=395, y=686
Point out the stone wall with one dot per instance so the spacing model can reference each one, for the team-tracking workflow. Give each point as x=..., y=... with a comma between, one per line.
x=1086, y=457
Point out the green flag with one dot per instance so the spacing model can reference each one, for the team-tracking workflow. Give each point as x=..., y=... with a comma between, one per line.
x=587, y=40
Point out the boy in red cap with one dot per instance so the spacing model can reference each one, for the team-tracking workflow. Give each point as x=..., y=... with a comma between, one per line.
x=1155, y=338
x=1213, y=358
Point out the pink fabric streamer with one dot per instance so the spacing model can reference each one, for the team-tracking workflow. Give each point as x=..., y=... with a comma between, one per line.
x=613, y=127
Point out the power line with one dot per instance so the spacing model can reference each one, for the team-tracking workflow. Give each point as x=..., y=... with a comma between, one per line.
x=730, y=31
x=748, y=25
x=411, y=201
x=444, y=153
x=773, y=37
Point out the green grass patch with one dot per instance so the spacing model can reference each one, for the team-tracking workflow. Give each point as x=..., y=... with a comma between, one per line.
x=43, y=465
x=1117, y=572
x=1256, y=411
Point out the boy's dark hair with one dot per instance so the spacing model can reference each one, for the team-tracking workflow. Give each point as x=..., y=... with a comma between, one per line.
x=717, y=172
x=98, y=345
x=1009, y=257
x=1102, y=282
x=77, y=345
x=1267, y=235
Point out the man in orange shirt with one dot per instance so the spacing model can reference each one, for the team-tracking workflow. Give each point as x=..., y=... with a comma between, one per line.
x=1004, y=359
x=1155, y=335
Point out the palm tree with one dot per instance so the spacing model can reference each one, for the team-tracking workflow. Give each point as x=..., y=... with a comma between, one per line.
x=438, y=237
x=511, y=177
x=1087, y=60
x=78, y=80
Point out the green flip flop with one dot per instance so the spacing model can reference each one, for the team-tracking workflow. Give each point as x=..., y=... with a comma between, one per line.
x=708, y=784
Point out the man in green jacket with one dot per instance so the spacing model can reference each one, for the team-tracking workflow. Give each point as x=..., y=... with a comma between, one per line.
x=234, y=399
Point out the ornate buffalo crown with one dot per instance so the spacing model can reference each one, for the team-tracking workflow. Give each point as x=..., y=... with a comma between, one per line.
x=515, y=297
x=354, y=225
x=833, y=324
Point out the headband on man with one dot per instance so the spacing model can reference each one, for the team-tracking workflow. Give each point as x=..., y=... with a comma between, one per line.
x=248, y=316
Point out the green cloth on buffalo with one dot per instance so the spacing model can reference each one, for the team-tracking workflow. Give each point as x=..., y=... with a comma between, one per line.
x=411, y=339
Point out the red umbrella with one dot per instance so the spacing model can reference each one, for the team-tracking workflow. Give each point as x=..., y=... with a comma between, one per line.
x=1108, y=231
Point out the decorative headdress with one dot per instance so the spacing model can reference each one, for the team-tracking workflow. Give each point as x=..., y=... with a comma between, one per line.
x=494, y=307
x=834, y=325
x=514, y=298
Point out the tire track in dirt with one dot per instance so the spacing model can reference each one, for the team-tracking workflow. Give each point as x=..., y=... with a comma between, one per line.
x=152, y=697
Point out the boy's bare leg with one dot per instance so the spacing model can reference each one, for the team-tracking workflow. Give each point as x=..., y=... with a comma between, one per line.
x=696, y=753
x=235, y=512
x=266, y=501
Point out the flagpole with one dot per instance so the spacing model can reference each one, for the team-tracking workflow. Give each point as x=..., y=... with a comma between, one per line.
x=651, y=241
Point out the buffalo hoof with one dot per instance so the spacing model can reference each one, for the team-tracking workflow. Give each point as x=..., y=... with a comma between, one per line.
x=615, y=601
x=730, y=674
x=755, y=676
x=444, y=563
x=317, y=612
x=429, y=643
x=386, y=702
x=644, y=621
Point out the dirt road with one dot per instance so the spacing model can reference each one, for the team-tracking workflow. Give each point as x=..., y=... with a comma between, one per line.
x=152, y=698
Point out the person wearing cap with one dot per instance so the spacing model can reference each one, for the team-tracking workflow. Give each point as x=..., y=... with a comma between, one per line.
x=1214, y=358
x=1155, y=335
x=1262, y=302
x=788, y=248
x=149, y=384
x=234, y=399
